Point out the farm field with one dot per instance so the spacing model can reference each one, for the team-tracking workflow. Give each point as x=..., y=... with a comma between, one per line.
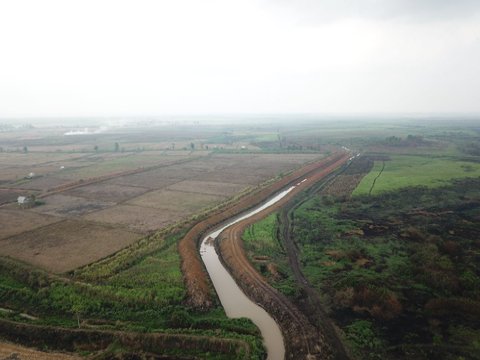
x=66, y=245
x=100, y=251
x=113, y=191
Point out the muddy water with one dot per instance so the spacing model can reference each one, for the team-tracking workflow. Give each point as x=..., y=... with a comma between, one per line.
x=234, y=301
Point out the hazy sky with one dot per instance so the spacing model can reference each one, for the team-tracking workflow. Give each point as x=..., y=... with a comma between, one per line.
x=116, y=57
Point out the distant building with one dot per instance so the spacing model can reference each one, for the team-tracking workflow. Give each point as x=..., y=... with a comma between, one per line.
x=30, y=176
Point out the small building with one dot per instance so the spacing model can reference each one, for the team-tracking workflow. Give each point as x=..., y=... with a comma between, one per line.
x=30, y=176
x=26, y=201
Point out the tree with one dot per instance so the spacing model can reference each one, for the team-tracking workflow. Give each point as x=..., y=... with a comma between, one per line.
x=117, y=147
x=192, y=146
x=95, y=147
x=25, y=149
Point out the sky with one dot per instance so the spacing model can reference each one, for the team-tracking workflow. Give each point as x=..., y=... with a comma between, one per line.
x=139, y=57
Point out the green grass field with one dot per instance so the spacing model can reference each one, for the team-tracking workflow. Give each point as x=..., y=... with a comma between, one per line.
x=402, y=171
x=260, y=237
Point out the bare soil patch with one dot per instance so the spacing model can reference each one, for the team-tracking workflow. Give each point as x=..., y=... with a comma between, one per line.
x=66, y=245
x=15, y=221
x=43, y=183
x=107, y=192
x=148, y=179
x=67, y=206
x=176, y=201
x=232, y=175
x=136, y=218
x=207, y=187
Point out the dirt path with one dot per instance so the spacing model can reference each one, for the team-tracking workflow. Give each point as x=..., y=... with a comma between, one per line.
x=10, y=351
x=302, y=340
x=375, y=180
x=310, y=303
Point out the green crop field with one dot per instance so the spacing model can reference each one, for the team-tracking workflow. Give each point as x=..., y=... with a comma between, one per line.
x=402, y=171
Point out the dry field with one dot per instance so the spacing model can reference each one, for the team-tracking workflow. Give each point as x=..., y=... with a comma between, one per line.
x=136, y=218
x=9, y=195
x=176, y=201
x=68, y=206
x=68, y=244
x=108, y=192
x=207, y=187
x=15, y=221
x=96, y=218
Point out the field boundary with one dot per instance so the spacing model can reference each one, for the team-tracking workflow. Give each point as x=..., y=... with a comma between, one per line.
x=375, y=180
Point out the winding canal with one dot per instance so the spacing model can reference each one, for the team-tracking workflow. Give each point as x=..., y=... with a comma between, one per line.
x=234, y=301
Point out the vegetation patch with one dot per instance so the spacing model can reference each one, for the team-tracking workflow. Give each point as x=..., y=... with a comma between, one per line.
x=399, y=269
x=268, y=255
x=402, y=171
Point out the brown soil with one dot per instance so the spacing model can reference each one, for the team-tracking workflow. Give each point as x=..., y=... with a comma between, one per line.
x=208, y=187
x=68, y=244
x=176, y=201
x=108, y=192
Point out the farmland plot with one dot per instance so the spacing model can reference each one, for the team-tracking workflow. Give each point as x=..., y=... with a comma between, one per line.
x=136, y=218
x=66, y=245
x=67, y=206
x=15, y=221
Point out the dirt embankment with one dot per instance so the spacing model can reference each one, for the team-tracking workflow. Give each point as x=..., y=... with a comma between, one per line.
x=98, y=341
x=10, y=351
x=195, y=276
x=302, y=340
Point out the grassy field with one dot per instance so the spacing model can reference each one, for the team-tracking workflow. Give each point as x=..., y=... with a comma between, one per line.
x=402, y=171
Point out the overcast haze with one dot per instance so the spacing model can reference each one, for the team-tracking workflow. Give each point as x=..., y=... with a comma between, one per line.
x=250, y=56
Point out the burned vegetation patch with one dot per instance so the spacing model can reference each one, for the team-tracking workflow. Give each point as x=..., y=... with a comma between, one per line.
x=400, y=269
